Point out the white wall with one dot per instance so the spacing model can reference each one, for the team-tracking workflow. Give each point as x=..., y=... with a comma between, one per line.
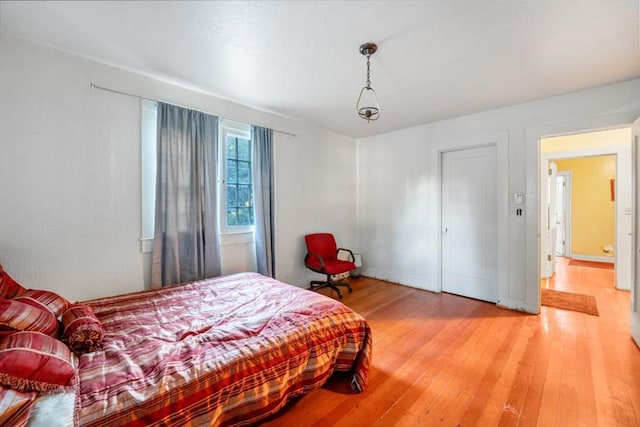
x=70, y=173
x=398, y=185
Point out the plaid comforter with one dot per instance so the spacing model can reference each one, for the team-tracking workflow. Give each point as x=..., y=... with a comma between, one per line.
x=223, y=351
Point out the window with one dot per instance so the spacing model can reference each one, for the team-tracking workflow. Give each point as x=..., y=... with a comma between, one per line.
x=235, y=189
x=236, y=210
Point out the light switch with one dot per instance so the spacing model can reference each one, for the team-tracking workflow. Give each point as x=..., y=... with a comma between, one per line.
x=518, y=198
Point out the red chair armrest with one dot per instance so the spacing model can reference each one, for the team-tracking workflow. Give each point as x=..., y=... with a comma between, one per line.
x=353, y=258
x=306, y=258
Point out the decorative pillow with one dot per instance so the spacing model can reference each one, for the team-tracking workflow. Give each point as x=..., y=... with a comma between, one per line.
x=15, y=406
x=9, y=288
x=18, y=316
x=81, y=329
x=45, y=300
x=33, y=361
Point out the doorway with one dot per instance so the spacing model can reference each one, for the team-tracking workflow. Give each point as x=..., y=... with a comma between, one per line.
x=608, y=191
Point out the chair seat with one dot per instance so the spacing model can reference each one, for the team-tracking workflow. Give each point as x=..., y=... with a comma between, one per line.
x=323, y=257
x=331, y=266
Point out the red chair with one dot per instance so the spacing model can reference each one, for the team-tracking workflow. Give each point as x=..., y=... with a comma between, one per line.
x=322, y=257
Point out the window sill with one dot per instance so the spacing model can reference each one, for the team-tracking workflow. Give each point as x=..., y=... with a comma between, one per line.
x=237, y=238
x=146, y=245
x=227, y=239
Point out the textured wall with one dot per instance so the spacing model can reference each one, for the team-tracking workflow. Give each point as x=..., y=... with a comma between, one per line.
x=70, y=203
x=593, y=211
x=398, y=185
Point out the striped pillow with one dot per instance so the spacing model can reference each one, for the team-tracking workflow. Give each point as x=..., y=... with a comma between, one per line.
x=81, y=329
x=9, y=288
x=15, y=406
x=33, y=361
x=18, y=316
x=45, y=300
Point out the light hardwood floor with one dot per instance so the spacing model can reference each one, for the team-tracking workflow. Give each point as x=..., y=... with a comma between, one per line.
x=441, y=359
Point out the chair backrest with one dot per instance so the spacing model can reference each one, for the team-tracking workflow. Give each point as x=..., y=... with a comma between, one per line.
x=323, y=244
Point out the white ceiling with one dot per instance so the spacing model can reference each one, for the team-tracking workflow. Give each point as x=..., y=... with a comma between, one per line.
x=436, y=59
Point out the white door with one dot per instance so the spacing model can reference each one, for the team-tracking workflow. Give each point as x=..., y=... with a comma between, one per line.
x=560, y=215
x=548, y=219
x=563, y=213
x=469, y=223
x=635, y=285
x=551, y=228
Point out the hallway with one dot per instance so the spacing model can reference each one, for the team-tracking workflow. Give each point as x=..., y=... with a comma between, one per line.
x=613, y=304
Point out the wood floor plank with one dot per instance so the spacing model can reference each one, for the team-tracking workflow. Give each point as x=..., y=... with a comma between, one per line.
x=540, y=365
x=587, y=415
x=441, y=359
x=483, y=393
x=437, y=389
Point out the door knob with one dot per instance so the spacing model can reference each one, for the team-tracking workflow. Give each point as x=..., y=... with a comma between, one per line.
x=444, y=230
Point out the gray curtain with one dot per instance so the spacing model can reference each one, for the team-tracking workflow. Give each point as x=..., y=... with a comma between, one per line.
x=263, y=185
x=186, y=236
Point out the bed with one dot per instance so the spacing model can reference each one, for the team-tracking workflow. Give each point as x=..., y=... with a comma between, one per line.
x=224, y=351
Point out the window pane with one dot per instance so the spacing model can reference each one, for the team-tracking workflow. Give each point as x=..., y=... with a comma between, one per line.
x=231, y=148
x=244, y=149
x=244, y=173
x=232, y=217
x=244, y=196
x=232, y=174
x=238, y=203
x=232, y=196
x=244, y=216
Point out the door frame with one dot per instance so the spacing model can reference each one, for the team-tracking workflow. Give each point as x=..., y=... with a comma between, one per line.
x=620, y=264
x=635, y=259
x=547, y=267
x=532, y=156
x=501, y=141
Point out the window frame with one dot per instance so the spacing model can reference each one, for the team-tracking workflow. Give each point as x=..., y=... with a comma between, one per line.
x=148, y=160
x=230, y=128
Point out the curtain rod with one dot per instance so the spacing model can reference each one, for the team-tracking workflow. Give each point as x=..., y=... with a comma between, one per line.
x=95, y=86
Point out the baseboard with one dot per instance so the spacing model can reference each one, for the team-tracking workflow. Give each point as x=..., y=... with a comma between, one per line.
x=595, y=258
x=400, y=279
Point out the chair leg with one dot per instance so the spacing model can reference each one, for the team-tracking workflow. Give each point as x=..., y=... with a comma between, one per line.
x=343, y=283
x=314, y=285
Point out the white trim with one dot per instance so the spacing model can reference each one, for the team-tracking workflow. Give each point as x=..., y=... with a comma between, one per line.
x=501, y=141
x=635, y=232
x=585, y=152
x=227, y=128
x=148, y=167
x=418, y=282
x=623, y=276
x=146, y=245
x=242, y=128
x=532, y=157
x=230, y=239
x=595, y=258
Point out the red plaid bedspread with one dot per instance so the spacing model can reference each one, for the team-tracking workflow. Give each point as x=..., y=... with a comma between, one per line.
x=222, y=351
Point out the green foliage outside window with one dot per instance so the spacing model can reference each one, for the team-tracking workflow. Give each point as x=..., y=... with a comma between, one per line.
x=239, y=182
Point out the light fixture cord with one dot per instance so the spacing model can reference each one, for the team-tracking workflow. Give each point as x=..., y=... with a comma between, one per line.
x=368, y=79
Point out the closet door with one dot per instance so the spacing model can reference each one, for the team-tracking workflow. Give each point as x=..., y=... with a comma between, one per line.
x=469, y=223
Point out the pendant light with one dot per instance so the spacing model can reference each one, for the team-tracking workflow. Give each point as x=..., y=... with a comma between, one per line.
x=367, y=105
